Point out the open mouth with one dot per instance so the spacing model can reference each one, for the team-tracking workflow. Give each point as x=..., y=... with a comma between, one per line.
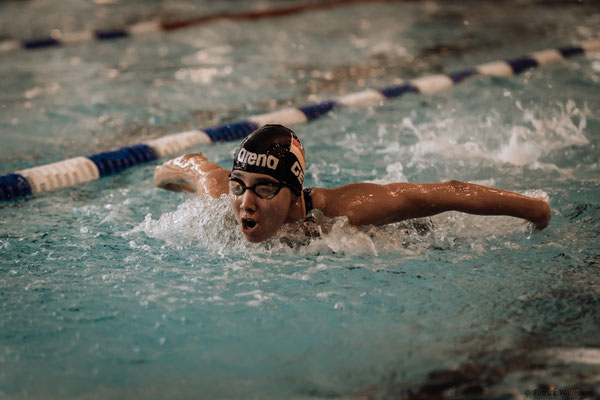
x=248, y=223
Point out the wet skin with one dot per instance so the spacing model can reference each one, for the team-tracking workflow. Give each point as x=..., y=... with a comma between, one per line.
x=361, y=203
x=258, y=218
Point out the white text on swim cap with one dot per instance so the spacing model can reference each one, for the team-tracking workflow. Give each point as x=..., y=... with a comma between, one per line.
x=260, y=160
x=297, y=170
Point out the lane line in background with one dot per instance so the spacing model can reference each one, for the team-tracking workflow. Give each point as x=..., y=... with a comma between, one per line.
x=79, y=170
x=58, y=38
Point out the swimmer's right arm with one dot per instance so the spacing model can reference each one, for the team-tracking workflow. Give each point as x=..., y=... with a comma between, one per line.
x=371, y=204
x=192, y=173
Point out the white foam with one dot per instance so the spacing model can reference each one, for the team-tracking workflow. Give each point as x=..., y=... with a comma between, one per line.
x=198, y=220
x=519, y=150
x=394, y=173
x=443, y=137
x=543, y=135
x=257, y=297
x=210, y=55
x=203, y=75
x=539, y=132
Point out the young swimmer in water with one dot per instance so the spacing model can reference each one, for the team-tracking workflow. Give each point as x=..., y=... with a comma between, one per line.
x=265, y=190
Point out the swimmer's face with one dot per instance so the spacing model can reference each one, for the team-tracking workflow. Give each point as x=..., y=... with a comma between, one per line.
x=258, y=218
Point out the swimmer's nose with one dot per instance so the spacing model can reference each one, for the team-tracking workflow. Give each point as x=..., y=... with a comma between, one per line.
x=249, y=201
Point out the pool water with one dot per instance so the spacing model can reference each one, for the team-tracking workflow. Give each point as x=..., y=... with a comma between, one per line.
x=116, y=289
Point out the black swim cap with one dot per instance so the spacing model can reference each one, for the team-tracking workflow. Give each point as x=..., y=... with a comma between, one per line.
x=276, y=151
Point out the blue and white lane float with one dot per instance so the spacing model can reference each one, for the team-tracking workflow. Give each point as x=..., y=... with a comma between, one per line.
x=59, y=38
x=78, y=170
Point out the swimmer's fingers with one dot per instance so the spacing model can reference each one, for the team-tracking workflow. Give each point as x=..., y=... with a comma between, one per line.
x=544, y=220
x=192, y=173
x=183, y=170
x=544, y=216
x=171, y=177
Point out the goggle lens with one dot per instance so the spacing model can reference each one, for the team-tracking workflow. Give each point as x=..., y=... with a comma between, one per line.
x=236, y=187
x=264, y=191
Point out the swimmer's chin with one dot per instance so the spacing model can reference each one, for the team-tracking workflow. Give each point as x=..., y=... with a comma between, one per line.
x=254, y=238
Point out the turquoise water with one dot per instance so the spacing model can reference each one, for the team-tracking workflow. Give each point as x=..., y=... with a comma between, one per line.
x=116, y=289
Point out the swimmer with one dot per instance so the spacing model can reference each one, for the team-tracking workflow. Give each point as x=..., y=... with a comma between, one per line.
x=265, y=188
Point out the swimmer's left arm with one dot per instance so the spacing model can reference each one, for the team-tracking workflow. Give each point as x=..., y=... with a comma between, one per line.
x=372, y=204
x=192, y=173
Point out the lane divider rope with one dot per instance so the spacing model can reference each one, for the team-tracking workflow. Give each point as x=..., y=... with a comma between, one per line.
x=79, y=170
x=58, y=38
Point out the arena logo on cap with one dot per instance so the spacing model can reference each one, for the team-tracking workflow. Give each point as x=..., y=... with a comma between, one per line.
x=260, y=160
x=298, y=172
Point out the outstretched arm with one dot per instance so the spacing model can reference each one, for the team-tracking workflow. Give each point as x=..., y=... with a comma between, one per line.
x=367, y=203
x=192, y=173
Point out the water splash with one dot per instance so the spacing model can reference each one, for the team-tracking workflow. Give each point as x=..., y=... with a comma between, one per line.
x=542, y=135
x=209, y=224
x=540, y=132
x=203, y=220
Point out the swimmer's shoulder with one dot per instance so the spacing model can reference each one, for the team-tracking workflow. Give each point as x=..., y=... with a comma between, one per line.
x=316, y=198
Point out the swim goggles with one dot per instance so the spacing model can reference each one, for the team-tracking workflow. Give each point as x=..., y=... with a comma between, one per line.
x=264, y=190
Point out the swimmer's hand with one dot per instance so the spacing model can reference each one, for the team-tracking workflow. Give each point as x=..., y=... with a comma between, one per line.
x=192, y=173
x=544, y=215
